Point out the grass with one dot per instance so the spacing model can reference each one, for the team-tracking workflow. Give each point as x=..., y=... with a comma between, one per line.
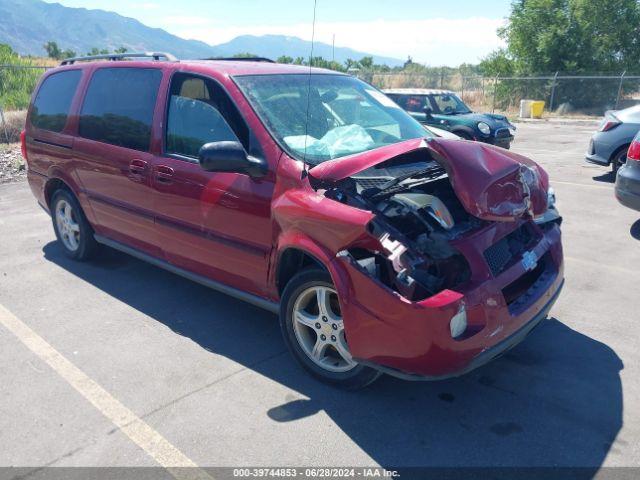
x=12, y=126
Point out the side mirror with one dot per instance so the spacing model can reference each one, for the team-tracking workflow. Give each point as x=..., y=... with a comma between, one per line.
x=428, y=111
x=230, y=157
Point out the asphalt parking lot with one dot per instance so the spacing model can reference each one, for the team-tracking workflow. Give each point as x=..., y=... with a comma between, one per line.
x=159, y=368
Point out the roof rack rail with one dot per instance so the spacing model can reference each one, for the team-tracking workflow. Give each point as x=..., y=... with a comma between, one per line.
x=121, y=56
x=241, y=59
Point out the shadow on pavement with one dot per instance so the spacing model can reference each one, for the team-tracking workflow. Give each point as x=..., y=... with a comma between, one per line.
x=608, y=177
x=554, y=400
x=635, y=230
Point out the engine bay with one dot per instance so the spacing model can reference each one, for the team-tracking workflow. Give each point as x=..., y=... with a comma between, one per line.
x=418, y=216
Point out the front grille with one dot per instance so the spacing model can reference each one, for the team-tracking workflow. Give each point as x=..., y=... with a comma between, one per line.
x=524, y=291
x=509, y=249
x=372, y=182
x=366, y=182
x=503, y=133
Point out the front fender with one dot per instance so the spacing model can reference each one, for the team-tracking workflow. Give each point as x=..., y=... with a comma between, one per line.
x=463, y=129
x=304, y=243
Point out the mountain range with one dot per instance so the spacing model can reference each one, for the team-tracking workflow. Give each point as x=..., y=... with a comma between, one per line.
x=26, y=25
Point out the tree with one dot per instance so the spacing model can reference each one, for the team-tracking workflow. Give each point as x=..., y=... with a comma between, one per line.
x=68, y=53
x=577, y=36
x=366, y=63
x=97, y=51
x=284, y=59
x=245, y=55
x=53, y=51
x=121, y=50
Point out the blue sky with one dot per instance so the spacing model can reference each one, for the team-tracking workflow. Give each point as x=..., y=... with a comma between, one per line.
x=433, y=32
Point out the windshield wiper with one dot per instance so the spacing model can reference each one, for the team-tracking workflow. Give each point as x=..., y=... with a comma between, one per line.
x=394, y=185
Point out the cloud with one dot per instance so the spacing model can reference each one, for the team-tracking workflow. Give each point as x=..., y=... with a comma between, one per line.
x=436, y=41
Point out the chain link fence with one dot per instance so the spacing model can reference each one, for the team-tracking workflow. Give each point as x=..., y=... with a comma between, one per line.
x=564, y=95
x=16, y=85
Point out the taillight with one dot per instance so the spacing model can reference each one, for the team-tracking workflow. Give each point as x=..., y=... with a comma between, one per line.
x=634, y=150
x=23, y=144
x=609, y=124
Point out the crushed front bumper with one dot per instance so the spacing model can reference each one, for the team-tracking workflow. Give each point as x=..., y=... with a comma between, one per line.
x=504, y=142
x=487, y=355
x=413, y=339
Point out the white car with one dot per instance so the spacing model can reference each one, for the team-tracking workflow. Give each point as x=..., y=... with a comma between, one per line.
x=438, y=132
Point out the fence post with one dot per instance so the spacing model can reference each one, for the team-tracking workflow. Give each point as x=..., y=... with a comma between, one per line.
x=620, y=89
x=553, y=91
x=4, y=125
x=495, y=90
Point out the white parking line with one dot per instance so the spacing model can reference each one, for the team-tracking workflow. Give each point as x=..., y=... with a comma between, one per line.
x=154, y=444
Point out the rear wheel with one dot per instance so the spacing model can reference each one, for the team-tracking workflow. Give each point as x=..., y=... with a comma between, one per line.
x=71, y=226
x=619, y=159
x=313, y=329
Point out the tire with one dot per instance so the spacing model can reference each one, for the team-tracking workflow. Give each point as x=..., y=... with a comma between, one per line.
x=619, y=159
x=463, y=135
x=303, y=325
x=71, y=226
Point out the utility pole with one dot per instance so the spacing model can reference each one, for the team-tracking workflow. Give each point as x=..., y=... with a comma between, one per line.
x=620, y=89
x=333, y=49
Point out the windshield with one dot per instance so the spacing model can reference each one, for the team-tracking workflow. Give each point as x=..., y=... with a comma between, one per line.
x=345, y=115
x=448, y=104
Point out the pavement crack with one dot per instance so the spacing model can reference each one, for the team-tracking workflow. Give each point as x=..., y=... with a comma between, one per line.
x=249, y=366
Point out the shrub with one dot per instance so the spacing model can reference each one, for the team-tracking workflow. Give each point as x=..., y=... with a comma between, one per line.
x=13, y=124
x=17, y=80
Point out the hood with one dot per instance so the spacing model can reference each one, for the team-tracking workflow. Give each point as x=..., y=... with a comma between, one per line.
x=492, y=183
x=493, y=120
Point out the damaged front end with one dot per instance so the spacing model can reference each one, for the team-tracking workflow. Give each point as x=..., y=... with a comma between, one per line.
x=460, y=234
x=416, y=219
x=423, y=202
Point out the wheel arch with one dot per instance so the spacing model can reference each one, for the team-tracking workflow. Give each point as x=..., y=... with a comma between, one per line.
x=291, y=260
x=463, y=130
x=54, y=184
x=624, y=146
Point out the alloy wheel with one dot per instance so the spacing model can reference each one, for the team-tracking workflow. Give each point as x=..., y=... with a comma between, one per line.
x=68, y=226
x=319, y=329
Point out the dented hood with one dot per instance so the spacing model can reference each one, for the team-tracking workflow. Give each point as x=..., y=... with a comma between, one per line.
x=491, y=183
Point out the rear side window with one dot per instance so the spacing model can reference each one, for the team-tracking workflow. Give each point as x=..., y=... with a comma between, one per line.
x=118, y=107
x=53, y=101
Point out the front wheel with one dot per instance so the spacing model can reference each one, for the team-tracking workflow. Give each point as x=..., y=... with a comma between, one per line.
x=464, y=135
x=313, y=329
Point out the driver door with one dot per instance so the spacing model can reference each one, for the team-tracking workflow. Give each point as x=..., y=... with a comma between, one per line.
x=217, y=225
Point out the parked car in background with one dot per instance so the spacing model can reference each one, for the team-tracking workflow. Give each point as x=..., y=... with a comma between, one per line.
x=609, y=145
x=305, y=192
x=438, y=132
x=445, y=110
x=628, y=178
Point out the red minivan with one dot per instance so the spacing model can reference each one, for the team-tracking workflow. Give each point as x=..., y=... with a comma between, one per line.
x=306, y=192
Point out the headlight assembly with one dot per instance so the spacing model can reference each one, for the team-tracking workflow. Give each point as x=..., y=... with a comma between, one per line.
x=484, y=128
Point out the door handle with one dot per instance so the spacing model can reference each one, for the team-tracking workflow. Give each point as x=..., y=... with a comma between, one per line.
x=164, y=174
x=137, y=166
